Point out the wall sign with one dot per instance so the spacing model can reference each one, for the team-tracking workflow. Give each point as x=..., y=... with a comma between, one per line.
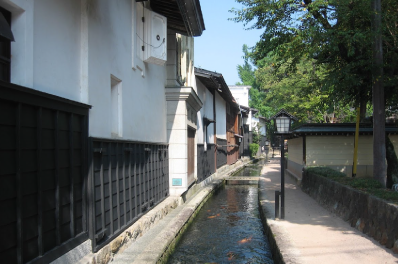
x=177, y=182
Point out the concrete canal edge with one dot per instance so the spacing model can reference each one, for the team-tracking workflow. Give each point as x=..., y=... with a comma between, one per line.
x=185, y=218
x=282, y=249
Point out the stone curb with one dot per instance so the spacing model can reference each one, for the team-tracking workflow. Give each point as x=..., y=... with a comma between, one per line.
x=134, y=232
x=282, y=250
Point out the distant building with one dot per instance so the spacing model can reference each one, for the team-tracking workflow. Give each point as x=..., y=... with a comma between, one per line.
x=218, y=123
x=251, y=120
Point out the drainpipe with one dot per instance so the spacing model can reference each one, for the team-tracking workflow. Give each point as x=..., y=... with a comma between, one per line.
x=215, y=130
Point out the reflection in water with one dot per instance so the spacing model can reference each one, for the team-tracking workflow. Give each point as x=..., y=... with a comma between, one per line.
x=228, y=229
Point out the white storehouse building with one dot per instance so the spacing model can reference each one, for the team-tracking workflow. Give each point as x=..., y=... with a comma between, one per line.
x=98, y=118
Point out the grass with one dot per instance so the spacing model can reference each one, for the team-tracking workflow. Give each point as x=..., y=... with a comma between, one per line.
x=368, y=185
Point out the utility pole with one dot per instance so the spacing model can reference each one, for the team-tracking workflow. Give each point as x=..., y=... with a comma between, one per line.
x=379, y=135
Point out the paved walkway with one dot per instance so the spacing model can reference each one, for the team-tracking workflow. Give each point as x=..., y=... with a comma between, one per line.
x=311, y=234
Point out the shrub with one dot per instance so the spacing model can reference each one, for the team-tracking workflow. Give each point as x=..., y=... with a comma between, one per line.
x=368, y=185
x=253, y=149
x=326, y=172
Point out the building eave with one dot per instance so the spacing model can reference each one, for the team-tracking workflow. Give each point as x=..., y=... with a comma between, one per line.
x=215, y=81
x=183, y=16
x=337, y=129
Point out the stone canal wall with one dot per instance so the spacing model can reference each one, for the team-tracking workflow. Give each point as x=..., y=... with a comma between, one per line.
x=370, y=215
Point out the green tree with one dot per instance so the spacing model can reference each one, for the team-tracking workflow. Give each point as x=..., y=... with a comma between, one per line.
x=246, y=73
x=336, y=34
x=339, y=36
x=300, y=94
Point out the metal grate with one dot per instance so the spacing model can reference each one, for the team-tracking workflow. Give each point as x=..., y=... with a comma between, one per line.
x=128, y=178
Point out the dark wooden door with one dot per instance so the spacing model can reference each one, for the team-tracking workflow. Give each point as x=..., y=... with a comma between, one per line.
x=191, y=155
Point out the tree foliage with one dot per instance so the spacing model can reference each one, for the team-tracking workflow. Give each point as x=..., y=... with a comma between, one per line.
x=334, y=35
x=337, y=37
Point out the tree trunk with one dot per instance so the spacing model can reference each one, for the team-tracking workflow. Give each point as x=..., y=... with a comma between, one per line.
x=379, y=137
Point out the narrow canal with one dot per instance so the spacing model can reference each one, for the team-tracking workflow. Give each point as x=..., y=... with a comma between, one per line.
x=228, y=229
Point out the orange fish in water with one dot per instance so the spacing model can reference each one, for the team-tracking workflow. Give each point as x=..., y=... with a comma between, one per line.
x=208, y=210
x=213, y=216
x=230, y=255
x=245, y=240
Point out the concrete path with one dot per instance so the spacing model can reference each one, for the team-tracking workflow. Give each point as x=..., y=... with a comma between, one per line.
x=311, y=234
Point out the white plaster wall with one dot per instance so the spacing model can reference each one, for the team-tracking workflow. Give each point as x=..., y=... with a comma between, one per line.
x=296, y=150
x=249, y=120
x=221, y=117
x=187, y=61
x=206, y=111
x=263, y=128
x=241, y=94
x=254, y=122
x=71, y=50
x=22, y=49
x=56, y=48
x=338, y=150
x=144, y=108
x=45, y=54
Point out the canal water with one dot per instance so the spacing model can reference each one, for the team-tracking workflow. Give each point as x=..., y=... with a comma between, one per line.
x=227, y=229
x=251, y=170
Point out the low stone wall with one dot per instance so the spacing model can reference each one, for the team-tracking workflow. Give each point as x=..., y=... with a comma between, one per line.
x=134, y=232
x=370, y=215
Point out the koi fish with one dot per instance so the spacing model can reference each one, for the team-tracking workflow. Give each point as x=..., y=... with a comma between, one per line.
x=230, y=255
x=245, y=240
x=213, y=216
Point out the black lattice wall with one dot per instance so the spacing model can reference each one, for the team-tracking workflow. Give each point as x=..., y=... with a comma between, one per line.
x=128, y=178
x=43, y=146
x=221, y=152
x=205, y=161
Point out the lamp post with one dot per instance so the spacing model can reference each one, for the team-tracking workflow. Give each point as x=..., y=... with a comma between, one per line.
x=282, y=121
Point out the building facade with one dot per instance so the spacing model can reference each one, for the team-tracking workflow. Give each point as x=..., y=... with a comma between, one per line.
x=219, y=135
x=332, y=145
x=90, y=121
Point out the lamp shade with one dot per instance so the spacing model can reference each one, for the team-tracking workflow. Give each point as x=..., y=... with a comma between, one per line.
x=282, y=124
x=282, y=121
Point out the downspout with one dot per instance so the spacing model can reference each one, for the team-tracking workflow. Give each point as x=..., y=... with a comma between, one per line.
x=215, y=130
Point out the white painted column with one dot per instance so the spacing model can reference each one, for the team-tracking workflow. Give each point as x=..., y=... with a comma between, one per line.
x=182, y=106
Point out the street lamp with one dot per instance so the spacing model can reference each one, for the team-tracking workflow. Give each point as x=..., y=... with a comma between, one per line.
x=282, y=121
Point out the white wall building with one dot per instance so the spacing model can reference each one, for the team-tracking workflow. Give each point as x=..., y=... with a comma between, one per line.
x=101, y=101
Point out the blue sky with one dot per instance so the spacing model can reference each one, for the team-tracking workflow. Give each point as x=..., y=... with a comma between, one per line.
x=219, y=48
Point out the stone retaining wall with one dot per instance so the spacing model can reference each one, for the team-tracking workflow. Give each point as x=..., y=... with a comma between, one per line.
x=370, y=215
